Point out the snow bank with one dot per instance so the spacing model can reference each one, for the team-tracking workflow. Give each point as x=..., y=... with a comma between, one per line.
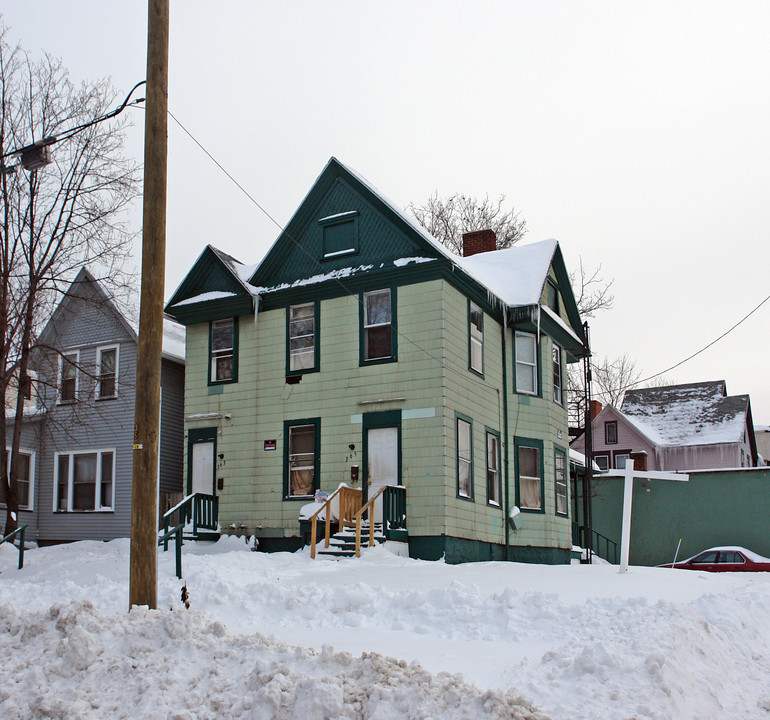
x=283, y=636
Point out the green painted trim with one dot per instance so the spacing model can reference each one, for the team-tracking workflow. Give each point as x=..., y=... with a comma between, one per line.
x=349, y=218
x=199, y=435
x=376, y=421
x=316, y=422
x=563, y=452
x=495, y=433
x=531, y=443
x=234, y=378
x=316, y=339
x=212, y=310
x=538, y=364
x=470, y=346
x=199, y=280
x=506, y=435
x=464, y=418
x=562, y=377
x=393, y=329
x=454, y=550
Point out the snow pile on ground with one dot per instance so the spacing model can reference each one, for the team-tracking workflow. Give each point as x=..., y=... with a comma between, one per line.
x=283, y=636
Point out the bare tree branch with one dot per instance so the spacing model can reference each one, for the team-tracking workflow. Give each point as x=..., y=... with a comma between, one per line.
x=54, y=221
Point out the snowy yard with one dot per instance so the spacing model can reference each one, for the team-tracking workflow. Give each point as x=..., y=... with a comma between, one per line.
x=282, y=636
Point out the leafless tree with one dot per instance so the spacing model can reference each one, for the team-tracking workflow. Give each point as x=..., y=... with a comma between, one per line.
x=448, y=218
x=592, y=291
x=53, y=220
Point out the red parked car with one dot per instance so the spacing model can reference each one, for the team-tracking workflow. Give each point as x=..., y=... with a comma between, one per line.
x=724, y=559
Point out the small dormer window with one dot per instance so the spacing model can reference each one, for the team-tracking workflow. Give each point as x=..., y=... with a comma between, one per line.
x=340, y=234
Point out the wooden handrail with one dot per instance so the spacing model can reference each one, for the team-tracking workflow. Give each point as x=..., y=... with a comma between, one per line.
x=349, y=501
x=369, y=506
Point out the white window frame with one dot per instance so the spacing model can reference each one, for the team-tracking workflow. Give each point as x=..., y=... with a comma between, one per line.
x=99, y=351
x=98, y=507
x=558, y=385
x=62, y=359
x=31, y=479
x=476, y=339
x=531, y=367
x=607, y=459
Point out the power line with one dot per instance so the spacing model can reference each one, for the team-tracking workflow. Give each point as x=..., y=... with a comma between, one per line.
x=288, y=235
x=695, y=354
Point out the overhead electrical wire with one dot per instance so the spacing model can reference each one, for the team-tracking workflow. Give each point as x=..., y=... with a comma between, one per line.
x=312, y=258
x=398, y=331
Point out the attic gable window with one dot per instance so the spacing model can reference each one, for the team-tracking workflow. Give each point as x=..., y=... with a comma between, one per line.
x=340, y=234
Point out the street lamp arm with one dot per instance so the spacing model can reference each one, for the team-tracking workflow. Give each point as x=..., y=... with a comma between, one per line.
x=40, y=146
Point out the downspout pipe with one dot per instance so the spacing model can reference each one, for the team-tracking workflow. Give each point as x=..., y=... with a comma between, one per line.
x=505, y=430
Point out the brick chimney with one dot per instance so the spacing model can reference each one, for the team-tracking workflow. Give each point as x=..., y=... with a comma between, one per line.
x=596, y=408
x=479, y=241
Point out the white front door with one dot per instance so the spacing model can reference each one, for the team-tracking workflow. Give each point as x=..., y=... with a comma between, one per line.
x=382, y=453
x=203, y=468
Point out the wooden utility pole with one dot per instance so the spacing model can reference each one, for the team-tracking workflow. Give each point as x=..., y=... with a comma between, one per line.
x=144, y=498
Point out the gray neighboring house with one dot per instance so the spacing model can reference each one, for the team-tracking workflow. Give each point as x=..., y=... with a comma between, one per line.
x=78, y=427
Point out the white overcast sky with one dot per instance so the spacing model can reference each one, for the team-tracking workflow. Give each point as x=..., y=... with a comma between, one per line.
x=637, y=134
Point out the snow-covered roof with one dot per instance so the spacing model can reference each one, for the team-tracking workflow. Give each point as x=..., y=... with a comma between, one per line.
x=516, y=275
x=238, y=269
x=690, y=414
x=173, y=339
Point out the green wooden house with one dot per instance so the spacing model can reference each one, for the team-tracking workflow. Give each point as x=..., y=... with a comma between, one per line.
x=361, y=351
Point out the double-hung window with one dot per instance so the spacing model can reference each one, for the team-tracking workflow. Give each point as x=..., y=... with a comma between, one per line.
x=25, y=482
x=529, y=474
x=107, y=377
x=493, y=469
x=223, y=347
x=303, y=343
x=526, y=363
x=560, y=479
x=464, y=458
x=378, y=335
x=84, y=480
x=557, y=377
x=68, y=376
x=611, y=432
x=302, y=447
x=476, y=322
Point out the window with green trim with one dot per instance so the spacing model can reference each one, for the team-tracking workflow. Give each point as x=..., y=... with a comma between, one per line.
x=552, y=295
x=529, y=475
x=302, y=335
x=560, y=479
x=557, y=374
x=223, y=344
x=301, y=457
x=493, y=469
x=526, y=363
x=464, y=458
x=378, y=325
x=476, y=340
x=340, y=234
